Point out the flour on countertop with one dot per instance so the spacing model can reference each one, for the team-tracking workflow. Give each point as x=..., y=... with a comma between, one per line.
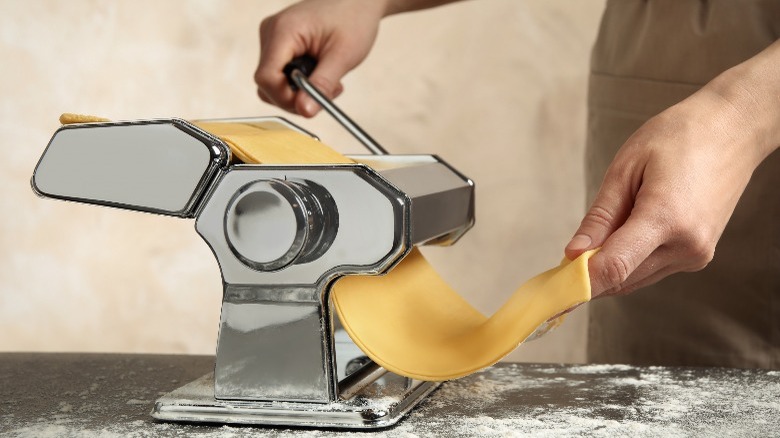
x=518, y=401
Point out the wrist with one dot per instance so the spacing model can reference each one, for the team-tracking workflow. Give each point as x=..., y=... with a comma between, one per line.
x=392, y=7
x=750, y=93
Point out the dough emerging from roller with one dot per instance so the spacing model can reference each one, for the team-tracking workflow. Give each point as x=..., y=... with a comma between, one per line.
x=410, y=321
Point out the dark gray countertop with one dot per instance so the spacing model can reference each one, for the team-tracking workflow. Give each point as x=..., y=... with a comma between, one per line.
x=96, y=395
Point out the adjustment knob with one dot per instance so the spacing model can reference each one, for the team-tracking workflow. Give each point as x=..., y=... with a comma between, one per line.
x=270, y=224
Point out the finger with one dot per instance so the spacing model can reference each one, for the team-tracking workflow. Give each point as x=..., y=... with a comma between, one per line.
x=647, y=281
x=306, y=106
x=609, y=211
x=275, y=52
x=658, y=265
x=623, y=252
x=331, y=68
x=264, y=97
x=655, y=269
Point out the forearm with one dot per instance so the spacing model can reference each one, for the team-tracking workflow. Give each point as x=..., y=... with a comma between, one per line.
x=399, y=6
x=751, y=92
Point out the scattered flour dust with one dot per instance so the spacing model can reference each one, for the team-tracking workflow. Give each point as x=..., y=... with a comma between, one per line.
x=135, y=402
x=617, y=401
x=529, y=401
x=593, y=369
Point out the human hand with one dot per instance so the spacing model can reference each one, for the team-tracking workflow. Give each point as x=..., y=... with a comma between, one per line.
x=669, y=192
x=338, y=33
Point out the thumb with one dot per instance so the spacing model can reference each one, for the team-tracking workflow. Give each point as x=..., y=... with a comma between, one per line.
x=331, y=68
x=608, y=212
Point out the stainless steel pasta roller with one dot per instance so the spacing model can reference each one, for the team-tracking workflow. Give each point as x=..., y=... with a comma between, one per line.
x=282, y=234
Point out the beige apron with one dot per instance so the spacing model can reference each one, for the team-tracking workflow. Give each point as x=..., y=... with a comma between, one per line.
x=649, y=55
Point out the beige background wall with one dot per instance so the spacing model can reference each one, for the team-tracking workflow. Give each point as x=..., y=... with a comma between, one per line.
x=496, y=87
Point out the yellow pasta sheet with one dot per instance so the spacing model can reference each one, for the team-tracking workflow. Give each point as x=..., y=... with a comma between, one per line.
x=412, y=323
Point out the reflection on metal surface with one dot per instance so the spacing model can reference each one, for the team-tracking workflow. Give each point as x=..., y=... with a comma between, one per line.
x=442, y=199
x=271, y=223
x=369, y=235
x=294, y=361
x=265, y=225
x=379, y=405
x=161, y=166
x=244, y=317
x=271, y=351
x=359, y=376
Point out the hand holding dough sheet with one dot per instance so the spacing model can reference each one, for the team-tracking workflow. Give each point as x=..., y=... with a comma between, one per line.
x=410, y=321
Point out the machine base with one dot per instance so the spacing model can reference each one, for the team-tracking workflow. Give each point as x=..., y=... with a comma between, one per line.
x=379, y=404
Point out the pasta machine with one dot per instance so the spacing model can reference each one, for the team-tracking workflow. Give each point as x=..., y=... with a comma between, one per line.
x=282, y=234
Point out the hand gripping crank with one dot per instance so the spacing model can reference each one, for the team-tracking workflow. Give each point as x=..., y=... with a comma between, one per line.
x=298, y=71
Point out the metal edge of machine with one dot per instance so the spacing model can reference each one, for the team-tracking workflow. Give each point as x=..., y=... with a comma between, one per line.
x=220, y=156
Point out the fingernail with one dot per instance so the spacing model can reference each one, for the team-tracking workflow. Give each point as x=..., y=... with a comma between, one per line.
x=579, y=242
x=311, y=107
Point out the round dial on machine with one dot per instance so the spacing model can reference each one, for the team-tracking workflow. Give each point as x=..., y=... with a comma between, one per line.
x=273, y=223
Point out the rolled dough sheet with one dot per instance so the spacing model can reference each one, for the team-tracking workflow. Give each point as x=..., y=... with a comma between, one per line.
x=410, y=321
x=254, y=143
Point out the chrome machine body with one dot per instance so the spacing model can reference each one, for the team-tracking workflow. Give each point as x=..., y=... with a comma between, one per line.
x=281, y=235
